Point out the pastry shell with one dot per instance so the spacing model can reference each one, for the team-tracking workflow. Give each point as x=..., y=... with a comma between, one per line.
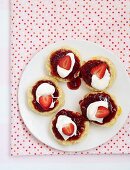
x=113, y=120
x=111, y=68
x=48, y=65
x=67, y=142
x=60, y=98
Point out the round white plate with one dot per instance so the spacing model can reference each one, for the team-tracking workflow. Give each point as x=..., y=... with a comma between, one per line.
x=39, y=125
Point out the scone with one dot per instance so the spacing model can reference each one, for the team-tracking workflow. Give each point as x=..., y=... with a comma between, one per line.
x=68, y=127
x=98, y=73
x=64, y=64
x=45, y=96
x=100, y=108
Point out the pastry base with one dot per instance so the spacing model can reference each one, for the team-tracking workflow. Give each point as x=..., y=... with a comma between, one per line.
x=48, y=66
x=112, y=72
x=63, y=142
x=60, y=99
x=118, y=113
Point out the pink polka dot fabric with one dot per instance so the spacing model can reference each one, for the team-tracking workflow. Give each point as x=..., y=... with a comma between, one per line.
x=36, y=24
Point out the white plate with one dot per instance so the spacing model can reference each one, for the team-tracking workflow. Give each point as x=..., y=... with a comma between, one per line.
x=39, y=125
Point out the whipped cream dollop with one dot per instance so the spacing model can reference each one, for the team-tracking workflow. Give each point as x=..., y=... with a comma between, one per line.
x=43, y=90
x=61, y=122
x=63, y=72
x=92, y=110
x=101, y=84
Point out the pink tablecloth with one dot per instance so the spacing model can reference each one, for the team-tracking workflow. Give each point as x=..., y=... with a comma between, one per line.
x=36, y=24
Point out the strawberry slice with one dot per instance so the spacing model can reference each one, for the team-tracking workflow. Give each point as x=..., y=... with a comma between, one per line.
x=65, y=62
x=45, y=101
x=99, y=70
x=102, y=112
x=68, y=129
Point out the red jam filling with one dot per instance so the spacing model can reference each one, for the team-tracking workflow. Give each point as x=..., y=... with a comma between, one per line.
x=99, y=97
x=74, y=84
x=78, y=119
x=54, y=60
x=36, y=105
x=85, y=70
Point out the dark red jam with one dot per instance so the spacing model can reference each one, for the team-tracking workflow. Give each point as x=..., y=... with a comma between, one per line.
x=36, y=105
x=74, y=84
x=77, y=118
x=85, y=70
x=99, y=97
x=54, y=60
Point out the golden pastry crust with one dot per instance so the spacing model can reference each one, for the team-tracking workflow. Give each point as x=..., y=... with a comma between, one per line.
x=60, y=99
x=48, y=65
x=118, y=113
x=63, y=142
x=112, y=71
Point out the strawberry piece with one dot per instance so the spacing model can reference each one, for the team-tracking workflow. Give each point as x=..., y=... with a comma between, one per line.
x=99, y=70
x=102, y=112
x=65, y=62
x=68, y=129
x=45, y=101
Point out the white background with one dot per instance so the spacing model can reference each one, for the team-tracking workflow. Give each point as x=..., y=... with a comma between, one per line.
x=102, y=162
